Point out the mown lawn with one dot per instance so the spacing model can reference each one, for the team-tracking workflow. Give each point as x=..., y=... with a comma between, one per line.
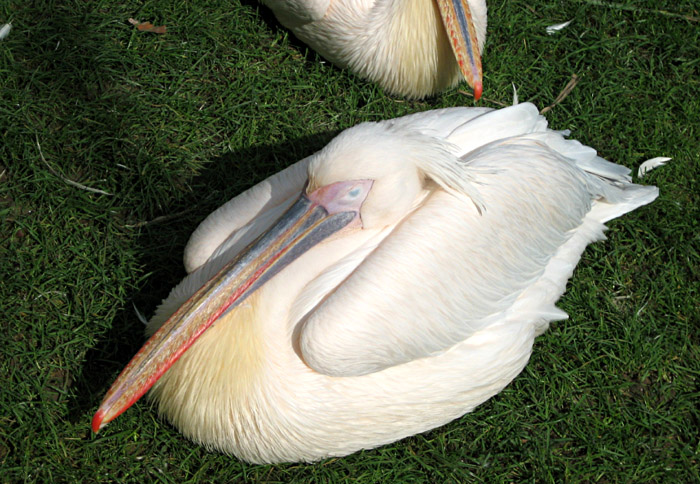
x=115, y=143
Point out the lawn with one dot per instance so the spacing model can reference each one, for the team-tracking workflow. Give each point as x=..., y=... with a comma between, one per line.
x=115, y=143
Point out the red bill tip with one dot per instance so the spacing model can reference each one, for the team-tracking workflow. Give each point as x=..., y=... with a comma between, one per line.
x=477, y=90
x=97, y=421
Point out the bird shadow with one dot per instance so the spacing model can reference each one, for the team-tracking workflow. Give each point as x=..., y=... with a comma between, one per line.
x=162, y=237
x=160, y=246
x=271, y=22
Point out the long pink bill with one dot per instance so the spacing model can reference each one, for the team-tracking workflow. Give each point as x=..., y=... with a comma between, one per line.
x=457, y=18
x=312, y=219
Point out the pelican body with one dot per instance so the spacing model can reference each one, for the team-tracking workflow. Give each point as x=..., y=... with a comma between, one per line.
x=379, y=288
x=412, y=48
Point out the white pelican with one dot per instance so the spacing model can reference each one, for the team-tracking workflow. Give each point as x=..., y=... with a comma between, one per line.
x=413, y=48
x=402, y=275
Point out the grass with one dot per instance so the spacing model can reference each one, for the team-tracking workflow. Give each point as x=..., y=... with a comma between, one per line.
x=170, y=126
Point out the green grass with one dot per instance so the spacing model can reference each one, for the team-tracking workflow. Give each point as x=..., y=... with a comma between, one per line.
x=179, y=123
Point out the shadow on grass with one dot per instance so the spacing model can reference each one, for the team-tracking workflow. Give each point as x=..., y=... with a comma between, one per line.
x=271, y=22
x=161, y=246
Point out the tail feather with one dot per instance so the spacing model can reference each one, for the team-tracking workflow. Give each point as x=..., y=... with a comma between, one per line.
x=612, y=183
x=629, y=197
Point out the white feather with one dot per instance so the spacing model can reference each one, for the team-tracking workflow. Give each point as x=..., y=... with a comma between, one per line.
x=649, y=165
x=5, y=30
x=553, y=29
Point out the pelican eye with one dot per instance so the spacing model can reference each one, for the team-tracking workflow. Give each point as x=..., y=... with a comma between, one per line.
x=357, y=189
x=354, y=192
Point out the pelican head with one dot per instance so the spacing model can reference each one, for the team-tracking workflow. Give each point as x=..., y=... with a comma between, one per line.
x=397, y=161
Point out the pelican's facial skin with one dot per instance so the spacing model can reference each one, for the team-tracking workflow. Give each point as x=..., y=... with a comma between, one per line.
x=381, y=287
x=413, y=48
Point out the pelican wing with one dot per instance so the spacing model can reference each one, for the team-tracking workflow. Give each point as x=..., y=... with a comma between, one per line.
x=446, y=272
x=237, y=222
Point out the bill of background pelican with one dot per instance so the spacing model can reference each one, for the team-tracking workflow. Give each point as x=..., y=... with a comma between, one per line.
x=313, y=218
x=457, y=19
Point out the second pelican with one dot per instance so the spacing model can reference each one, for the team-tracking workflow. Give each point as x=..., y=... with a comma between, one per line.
x=379, y=288
x=412, y=48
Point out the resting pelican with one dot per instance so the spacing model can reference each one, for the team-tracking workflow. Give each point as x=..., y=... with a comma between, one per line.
x=413, y=48
x=381, y=287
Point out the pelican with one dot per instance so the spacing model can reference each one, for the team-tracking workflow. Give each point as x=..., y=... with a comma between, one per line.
x=412, y=48
x=379, y=288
